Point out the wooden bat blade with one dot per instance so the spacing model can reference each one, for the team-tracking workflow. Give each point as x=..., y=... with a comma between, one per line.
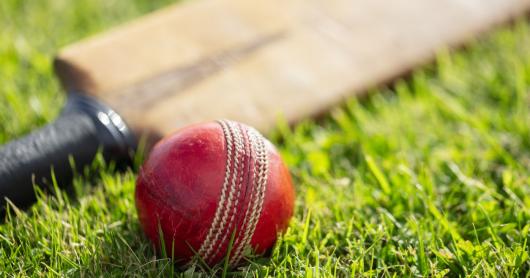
x=252, y=61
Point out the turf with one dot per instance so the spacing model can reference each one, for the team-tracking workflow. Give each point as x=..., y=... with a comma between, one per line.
x=427, y=177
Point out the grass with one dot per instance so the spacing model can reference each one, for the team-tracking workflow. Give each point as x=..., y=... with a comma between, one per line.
x=427, y=178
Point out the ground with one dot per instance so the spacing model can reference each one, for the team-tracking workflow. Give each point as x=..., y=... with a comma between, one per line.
x=426, y=177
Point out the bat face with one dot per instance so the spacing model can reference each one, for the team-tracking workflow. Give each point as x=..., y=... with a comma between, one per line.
x=253, y=61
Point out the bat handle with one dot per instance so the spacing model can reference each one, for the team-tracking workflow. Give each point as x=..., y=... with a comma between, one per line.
x=84, y=127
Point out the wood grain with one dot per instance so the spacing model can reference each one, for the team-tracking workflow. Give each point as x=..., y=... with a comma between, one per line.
x=252, y=61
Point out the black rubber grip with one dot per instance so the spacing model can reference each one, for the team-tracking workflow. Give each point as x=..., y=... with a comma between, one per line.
x=31, y=159
x=81, y=130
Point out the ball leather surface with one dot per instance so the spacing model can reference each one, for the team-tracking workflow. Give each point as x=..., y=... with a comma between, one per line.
x=210, y=182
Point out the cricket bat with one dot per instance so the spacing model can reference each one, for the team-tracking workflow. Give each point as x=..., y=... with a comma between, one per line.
x=249, y=61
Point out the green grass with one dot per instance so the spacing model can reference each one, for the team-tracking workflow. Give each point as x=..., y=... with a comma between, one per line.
x=427, y=178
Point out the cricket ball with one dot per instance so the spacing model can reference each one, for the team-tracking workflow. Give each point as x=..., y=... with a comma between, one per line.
x=213, y=191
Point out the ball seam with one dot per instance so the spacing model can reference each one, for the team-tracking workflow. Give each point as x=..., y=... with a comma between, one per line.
x=207, y=243
x=231, y=211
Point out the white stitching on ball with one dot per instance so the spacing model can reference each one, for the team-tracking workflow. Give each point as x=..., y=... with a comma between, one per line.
x=244, y=225
x=237, y=183
x=227, y=206
x=261, y=184
x=207, y=243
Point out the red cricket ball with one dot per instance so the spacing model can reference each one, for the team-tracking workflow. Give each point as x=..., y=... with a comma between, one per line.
x=209, y=183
